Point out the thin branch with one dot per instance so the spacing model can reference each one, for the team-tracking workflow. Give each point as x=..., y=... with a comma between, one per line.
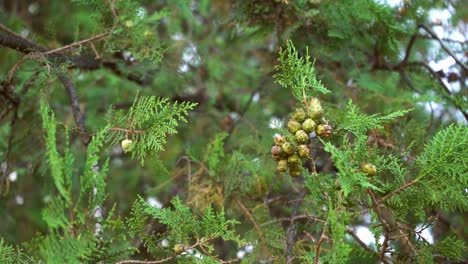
x=441, y=82
x=78, y=43
x=8, y=149
x=318, y=246
x=85, y=61
x=350, y=231
x=444, y=47
x=292, y=232
x=91, y=39
x=432, y=72
x=389, y=195
x=127, y=130
x=256, y=226
x=383, y=250
x=9, y=31
x=75, y=105
x=443, y=39
x=198, y=243
x=408, y=49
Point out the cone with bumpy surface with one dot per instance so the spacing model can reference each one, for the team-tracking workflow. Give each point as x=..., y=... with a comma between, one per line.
x=299, y=115
x=324, y=130
x=282, y=166
x=301, y=137
x=294, y=126
x=303, y=151
x=315, y=110
x=288, y=148
x=308, y=125
x=279, y=140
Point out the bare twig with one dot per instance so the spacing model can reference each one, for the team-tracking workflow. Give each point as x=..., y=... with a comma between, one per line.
x=256, y=226
x=443, y=39
x=75, y=105
x=384, y=247
x=318, y=246
x=292, y=232
x=444, y=47
x=9, y=31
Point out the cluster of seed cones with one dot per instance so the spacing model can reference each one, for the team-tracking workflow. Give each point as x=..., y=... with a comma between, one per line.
x=302, y=124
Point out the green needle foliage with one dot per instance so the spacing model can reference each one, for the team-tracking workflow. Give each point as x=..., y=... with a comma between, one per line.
x=233, y=132
x=148, y=121
x=298, y=73
x=184, y=229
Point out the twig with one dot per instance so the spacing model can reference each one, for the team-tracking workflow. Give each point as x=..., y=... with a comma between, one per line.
x=8, y=149
x=319, y=245
x=292, y=232
x=75, y=105
x=95, y=51
x=400, y=189
x=85, y=61
x=350, y=231
x=366, y=247
x=383, y=250
x=78, y=43
x=256, y=226
x=444, y=47
x=197, y=243
x=9, y=31
x=91, y=39
x=127, y=130
x=408, y=49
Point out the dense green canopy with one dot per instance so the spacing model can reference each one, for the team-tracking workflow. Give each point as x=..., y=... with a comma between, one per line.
x=215, y=131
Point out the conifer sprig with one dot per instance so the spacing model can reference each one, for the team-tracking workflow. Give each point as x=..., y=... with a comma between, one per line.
x=298, y=74
x=147, y=123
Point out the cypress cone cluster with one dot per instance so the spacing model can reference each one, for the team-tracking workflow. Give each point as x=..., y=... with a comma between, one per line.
x=291, y=155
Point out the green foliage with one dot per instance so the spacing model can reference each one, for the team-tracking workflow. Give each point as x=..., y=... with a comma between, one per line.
x=240, y=173
x=215, y=151
x=452, y=248
x=298, y=74
x=59, y=171
x=351, y=179
x=183, y=226
x=359, y=123
x=340, y=249
x=93, y=179
x=67, y=199
x=12, y=255
x=147, y=123
x=443, y=171
x=63, y=243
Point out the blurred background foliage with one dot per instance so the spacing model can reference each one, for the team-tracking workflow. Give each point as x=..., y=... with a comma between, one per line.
x=221, y=55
